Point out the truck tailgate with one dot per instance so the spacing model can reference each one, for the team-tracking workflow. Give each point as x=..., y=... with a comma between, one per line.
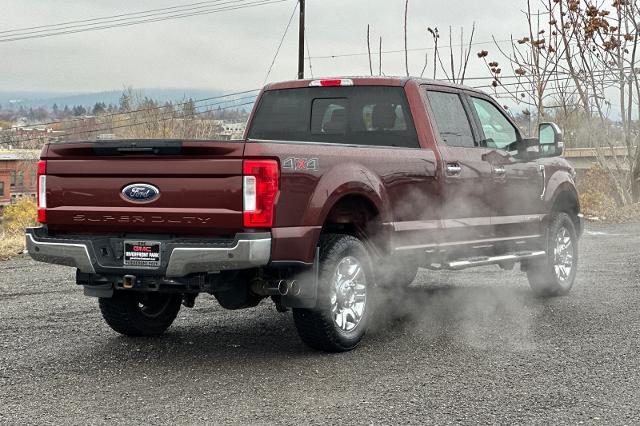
x=199, y=183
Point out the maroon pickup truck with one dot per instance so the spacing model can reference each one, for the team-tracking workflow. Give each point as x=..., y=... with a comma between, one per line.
x=341, y=187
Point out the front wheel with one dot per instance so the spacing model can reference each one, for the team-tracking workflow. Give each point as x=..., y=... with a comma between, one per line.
x=345, y=287
x=140, y=314
x=555, y=274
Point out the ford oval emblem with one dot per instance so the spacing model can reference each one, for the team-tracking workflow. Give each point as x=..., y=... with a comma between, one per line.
x=140, y=193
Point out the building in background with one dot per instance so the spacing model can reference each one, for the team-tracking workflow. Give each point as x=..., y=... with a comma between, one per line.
x=18, y=169
x=231, y=130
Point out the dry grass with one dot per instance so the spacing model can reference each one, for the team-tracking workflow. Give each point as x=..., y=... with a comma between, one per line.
x=598, y=201
x=17, y=217
x=11, y=246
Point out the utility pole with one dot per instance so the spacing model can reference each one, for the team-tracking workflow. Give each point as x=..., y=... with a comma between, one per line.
x=301, y=43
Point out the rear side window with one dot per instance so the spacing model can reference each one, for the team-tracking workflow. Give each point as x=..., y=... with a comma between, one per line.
x=451, y=119
x=360, y=115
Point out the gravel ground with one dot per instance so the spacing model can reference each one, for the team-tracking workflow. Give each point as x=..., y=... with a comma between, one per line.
x=466, y=347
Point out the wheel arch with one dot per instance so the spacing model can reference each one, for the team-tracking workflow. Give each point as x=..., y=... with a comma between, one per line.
x=349, y=194
x=359, y=215
x=565, y=199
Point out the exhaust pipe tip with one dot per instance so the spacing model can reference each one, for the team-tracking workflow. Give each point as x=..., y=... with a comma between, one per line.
x=283, y=287
x=276, y=288
x=294, y=289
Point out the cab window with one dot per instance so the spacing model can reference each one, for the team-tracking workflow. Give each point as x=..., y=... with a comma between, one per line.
x=498, y=131
x=451, y=119
x=356, y=115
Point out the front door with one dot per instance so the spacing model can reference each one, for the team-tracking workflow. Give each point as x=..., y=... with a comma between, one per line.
x=518, y=182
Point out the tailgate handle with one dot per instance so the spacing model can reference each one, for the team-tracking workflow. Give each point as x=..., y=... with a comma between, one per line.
x=124, y=147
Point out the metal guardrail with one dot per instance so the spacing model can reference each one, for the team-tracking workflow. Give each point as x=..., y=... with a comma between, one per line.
x=619, y=151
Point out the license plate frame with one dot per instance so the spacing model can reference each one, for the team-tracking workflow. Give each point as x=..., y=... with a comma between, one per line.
x=142, y=254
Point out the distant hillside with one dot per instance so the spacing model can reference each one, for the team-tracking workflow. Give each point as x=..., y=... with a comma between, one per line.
x=15, y=100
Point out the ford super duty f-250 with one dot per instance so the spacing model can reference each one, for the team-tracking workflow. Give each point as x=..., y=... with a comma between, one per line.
x=340, y=187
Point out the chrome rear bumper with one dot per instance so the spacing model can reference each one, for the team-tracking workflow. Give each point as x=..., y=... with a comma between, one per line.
x=246, y=251
x=68, y=254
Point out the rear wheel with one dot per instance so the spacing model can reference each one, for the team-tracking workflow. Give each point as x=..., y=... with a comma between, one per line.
x=555, y=274
x=340, y=319
x=140, y=314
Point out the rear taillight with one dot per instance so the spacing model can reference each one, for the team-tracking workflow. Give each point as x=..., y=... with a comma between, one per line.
x=260, y=189
x=42, y=191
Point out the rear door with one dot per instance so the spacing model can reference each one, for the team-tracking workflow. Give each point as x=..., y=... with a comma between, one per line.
x=518, y=183
x=467, y=182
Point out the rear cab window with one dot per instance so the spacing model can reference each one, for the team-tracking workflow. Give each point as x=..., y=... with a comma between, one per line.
x=358, y=115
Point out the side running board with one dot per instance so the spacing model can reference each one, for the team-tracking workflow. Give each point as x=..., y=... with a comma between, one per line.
x=494, y=260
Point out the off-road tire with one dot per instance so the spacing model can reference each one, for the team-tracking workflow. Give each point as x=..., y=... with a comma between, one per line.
x=124, y=314
x=542, y=275
x=316, y=327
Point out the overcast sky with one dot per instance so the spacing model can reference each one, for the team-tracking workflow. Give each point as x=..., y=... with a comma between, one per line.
x=230, y=50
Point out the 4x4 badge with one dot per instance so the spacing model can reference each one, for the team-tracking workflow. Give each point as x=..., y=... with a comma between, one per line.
x=292, y=163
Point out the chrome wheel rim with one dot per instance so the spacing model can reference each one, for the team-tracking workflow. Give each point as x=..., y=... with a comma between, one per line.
x=348, y=294
x=563, y=255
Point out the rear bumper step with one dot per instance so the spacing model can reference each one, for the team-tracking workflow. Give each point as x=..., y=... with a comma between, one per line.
x=246, y=251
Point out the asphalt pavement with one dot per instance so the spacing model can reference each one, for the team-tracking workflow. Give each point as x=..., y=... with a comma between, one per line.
x=458, y=347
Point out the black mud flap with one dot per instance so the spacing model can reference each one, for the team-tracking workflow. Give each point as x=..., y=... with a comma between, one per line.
x=308, y=282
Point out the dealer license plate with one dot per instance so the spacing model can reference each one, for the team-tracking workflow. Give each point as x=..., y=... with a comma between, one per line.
x=142, y=253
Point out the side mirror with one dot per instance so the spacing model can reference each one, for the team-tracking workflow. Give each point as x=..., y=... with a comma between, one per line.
x=551, y=140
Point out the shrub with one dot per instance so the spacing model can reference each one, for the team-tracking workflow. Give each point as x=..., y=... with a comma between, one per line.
x=597, y=204
x=19, y=216
x=598, y=198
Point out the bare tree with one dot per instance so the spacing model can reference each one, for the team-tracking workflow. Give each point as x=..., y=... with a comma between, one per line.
x=453, y=73
x=579, y=59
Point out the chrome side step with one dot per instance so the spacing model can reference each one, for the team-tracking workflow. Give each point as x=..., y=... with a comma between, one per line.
x=495, y=260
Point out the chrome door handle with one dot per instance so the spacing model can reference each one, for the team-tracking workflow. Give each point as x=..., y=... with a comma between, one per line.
x=543, y=174
x=499, y=170
x=453, y=169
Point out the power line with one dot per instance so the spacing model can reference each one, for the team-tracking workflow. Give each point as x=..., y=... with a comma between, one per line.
x=129, y=115
x=195, y=101
x=286, y=30
x=143, y=21
x=415, y=49
x=546, y=80
x=152, y=120
x=174, y=116
x=306, y=40
x=108, y=19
